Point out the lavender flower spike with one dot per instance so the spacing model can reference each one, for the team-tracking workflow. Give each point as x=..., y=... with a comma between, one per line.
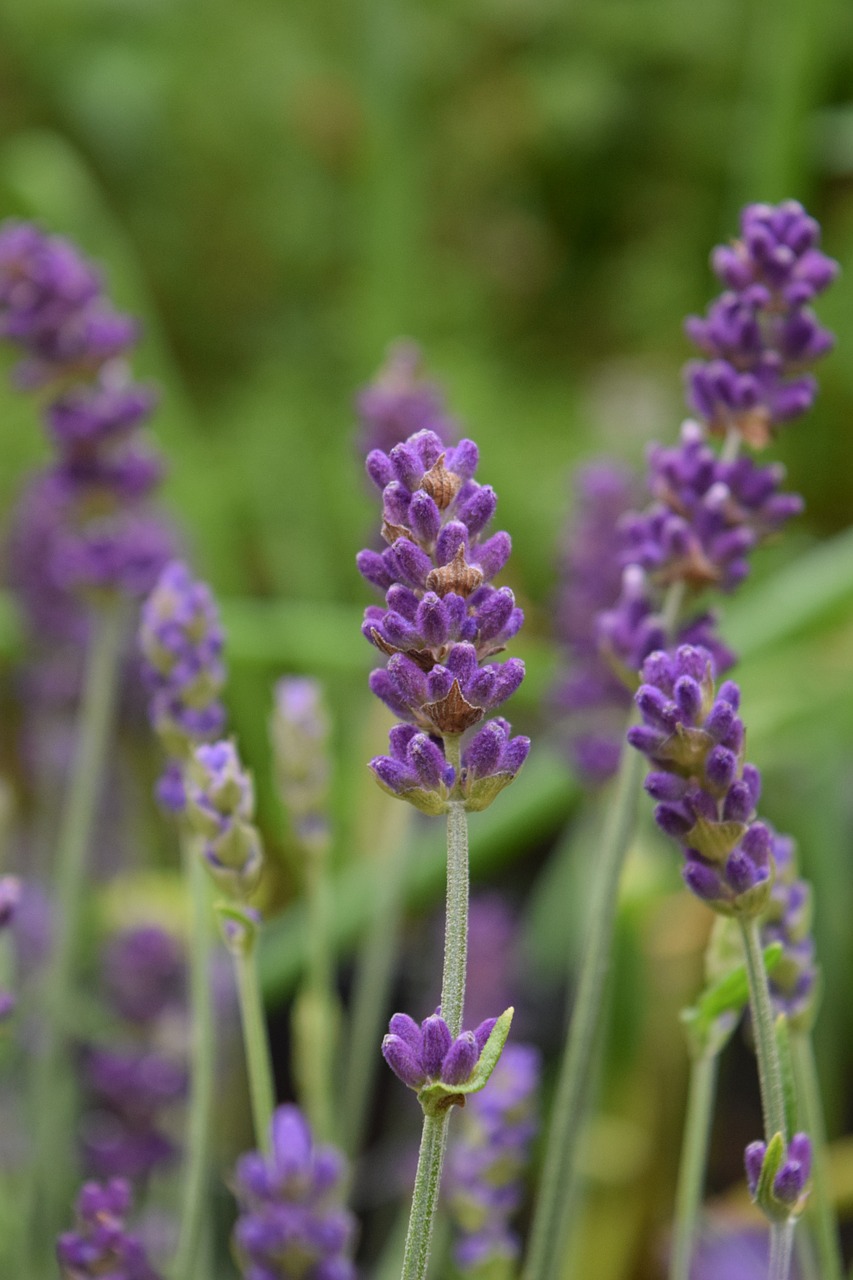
x=100, y=1245
x=221, y=808
x=488, y=1158
x=760, y=335
x=292, y=1223
x=10, y=897
x=442, y=618
x=181, y=642
x=300, y=733
x=706, y=795
x=400, y=402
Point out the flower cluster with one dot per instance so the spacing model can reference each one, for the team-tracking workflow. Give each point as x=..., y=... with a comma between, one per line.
x=708, y=514
x=181, y=641
x=52, y=308
x=706, y=794
x=442, y=618
x=133, y=1081
x=100, y=1245
x=300, y=738
x=400, y=402
x=10, y=896
x=789, y=1175
x=488, y=1158
x=788, y=920
x=761, y=333
x=292, y=1223
x=221, y=808
x=419, y=1055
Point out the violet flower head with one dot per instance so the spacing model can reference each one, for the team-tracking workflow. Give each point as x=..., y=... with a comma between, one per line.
x=100, y=1244
x=104, y=536
x=708, y=514
x=181, y=641
x=761, y=334
x=10, y=897
x=221, y=808
x=442, y=618
x=706, y=794
x=400, y=402
x=300, y=732
x=488, y=1158
x=791, y=1169
x=793, y=981
x=293, y=1224
x=421, y=1055
x=145, y=974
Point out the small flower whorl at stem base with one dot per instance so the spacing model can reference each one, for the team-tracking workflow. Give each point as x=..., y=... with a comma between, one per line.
x=778, y=1176
x=439, y=1068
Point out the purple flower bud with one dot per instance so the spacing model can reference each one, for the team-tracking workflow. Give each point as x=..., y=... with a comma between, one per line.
x=460, y=1059
x=436, y=1043
x=754, y=1159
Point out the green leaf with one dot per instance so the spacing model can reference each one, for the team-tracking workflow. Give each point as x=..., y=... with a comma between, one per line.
x=774, y=1158
x=705, y=1022
x=437, y=1097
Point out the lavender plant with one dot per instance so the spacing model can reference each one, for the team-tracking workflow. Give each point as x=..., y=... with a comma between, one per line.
x=100, y=1244
x=441, y=622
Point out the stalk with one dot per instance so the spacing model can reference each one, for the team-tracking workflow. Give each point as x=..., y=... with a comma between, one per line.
x=52, y=1124
x=315, y=1019
x=434, y=1138
x=770, y=1080
x=819, y=1207
x=202, y=1049
x=694, y=1151
x=373, y=977
x=557, y=1188
x=255, y=1043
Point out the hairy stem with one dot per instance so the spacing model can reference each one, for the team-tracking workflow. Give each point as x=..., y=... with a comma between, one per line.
x=763, y=1022
x=434, y=1139
x=781, y=1249
x=202, y=1051
x=51, y=1119
x=694, y=1152
x=557, y=1188
x=820, y=1210
x=255, y=1044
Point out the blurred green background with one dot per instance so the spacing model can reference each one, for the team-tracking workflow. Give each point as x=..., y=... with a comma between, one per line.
x=531, y=190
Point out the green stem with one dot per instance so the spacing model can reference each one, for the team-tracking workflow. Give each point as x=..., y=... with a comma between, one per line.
x=95, y=722
x=255, y=1044
x=202, y=1051
x=694, y=1151
x=557, y=1189
x=820, y=1211
x=374, y=973
x=764, y=1030
x=781, y=1248
x=316, y=1012
x=434, y=1139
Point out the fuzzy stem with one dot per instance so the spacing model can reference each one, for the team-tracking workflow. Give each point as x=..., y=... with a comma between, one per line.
x=694, y=1151
x=763, y=1022
x=557, y=1188
x=316, y=1030
x=255, y=1044
x=202, y=1052
x=373, y=976
x=94, y=725
x=820, y=1210
x=434, y=1139
x=781, y=1248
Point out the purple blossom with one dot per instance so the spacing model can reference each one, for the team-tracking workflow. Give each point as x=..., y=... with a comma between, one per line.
x=761, y=333
x=292, y=1223
x=733, y=1255
x=10, y=897
x=300, y=732
x=102, y=535
x=488, y=1158
x=790, y=1182
x=181, y=641
x=706, y=795
x=420, y=1055
x=442, y=618
x=100, y=1245
x=221, y=808
x=400, y=402
x=787, y=920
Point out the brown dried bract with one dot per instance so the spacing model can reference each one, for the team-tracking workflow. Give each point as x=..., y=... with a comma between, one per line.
x=425, y=658
x=441, y=485
x=453, y=713
x=391, y=532
x=459, y=577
